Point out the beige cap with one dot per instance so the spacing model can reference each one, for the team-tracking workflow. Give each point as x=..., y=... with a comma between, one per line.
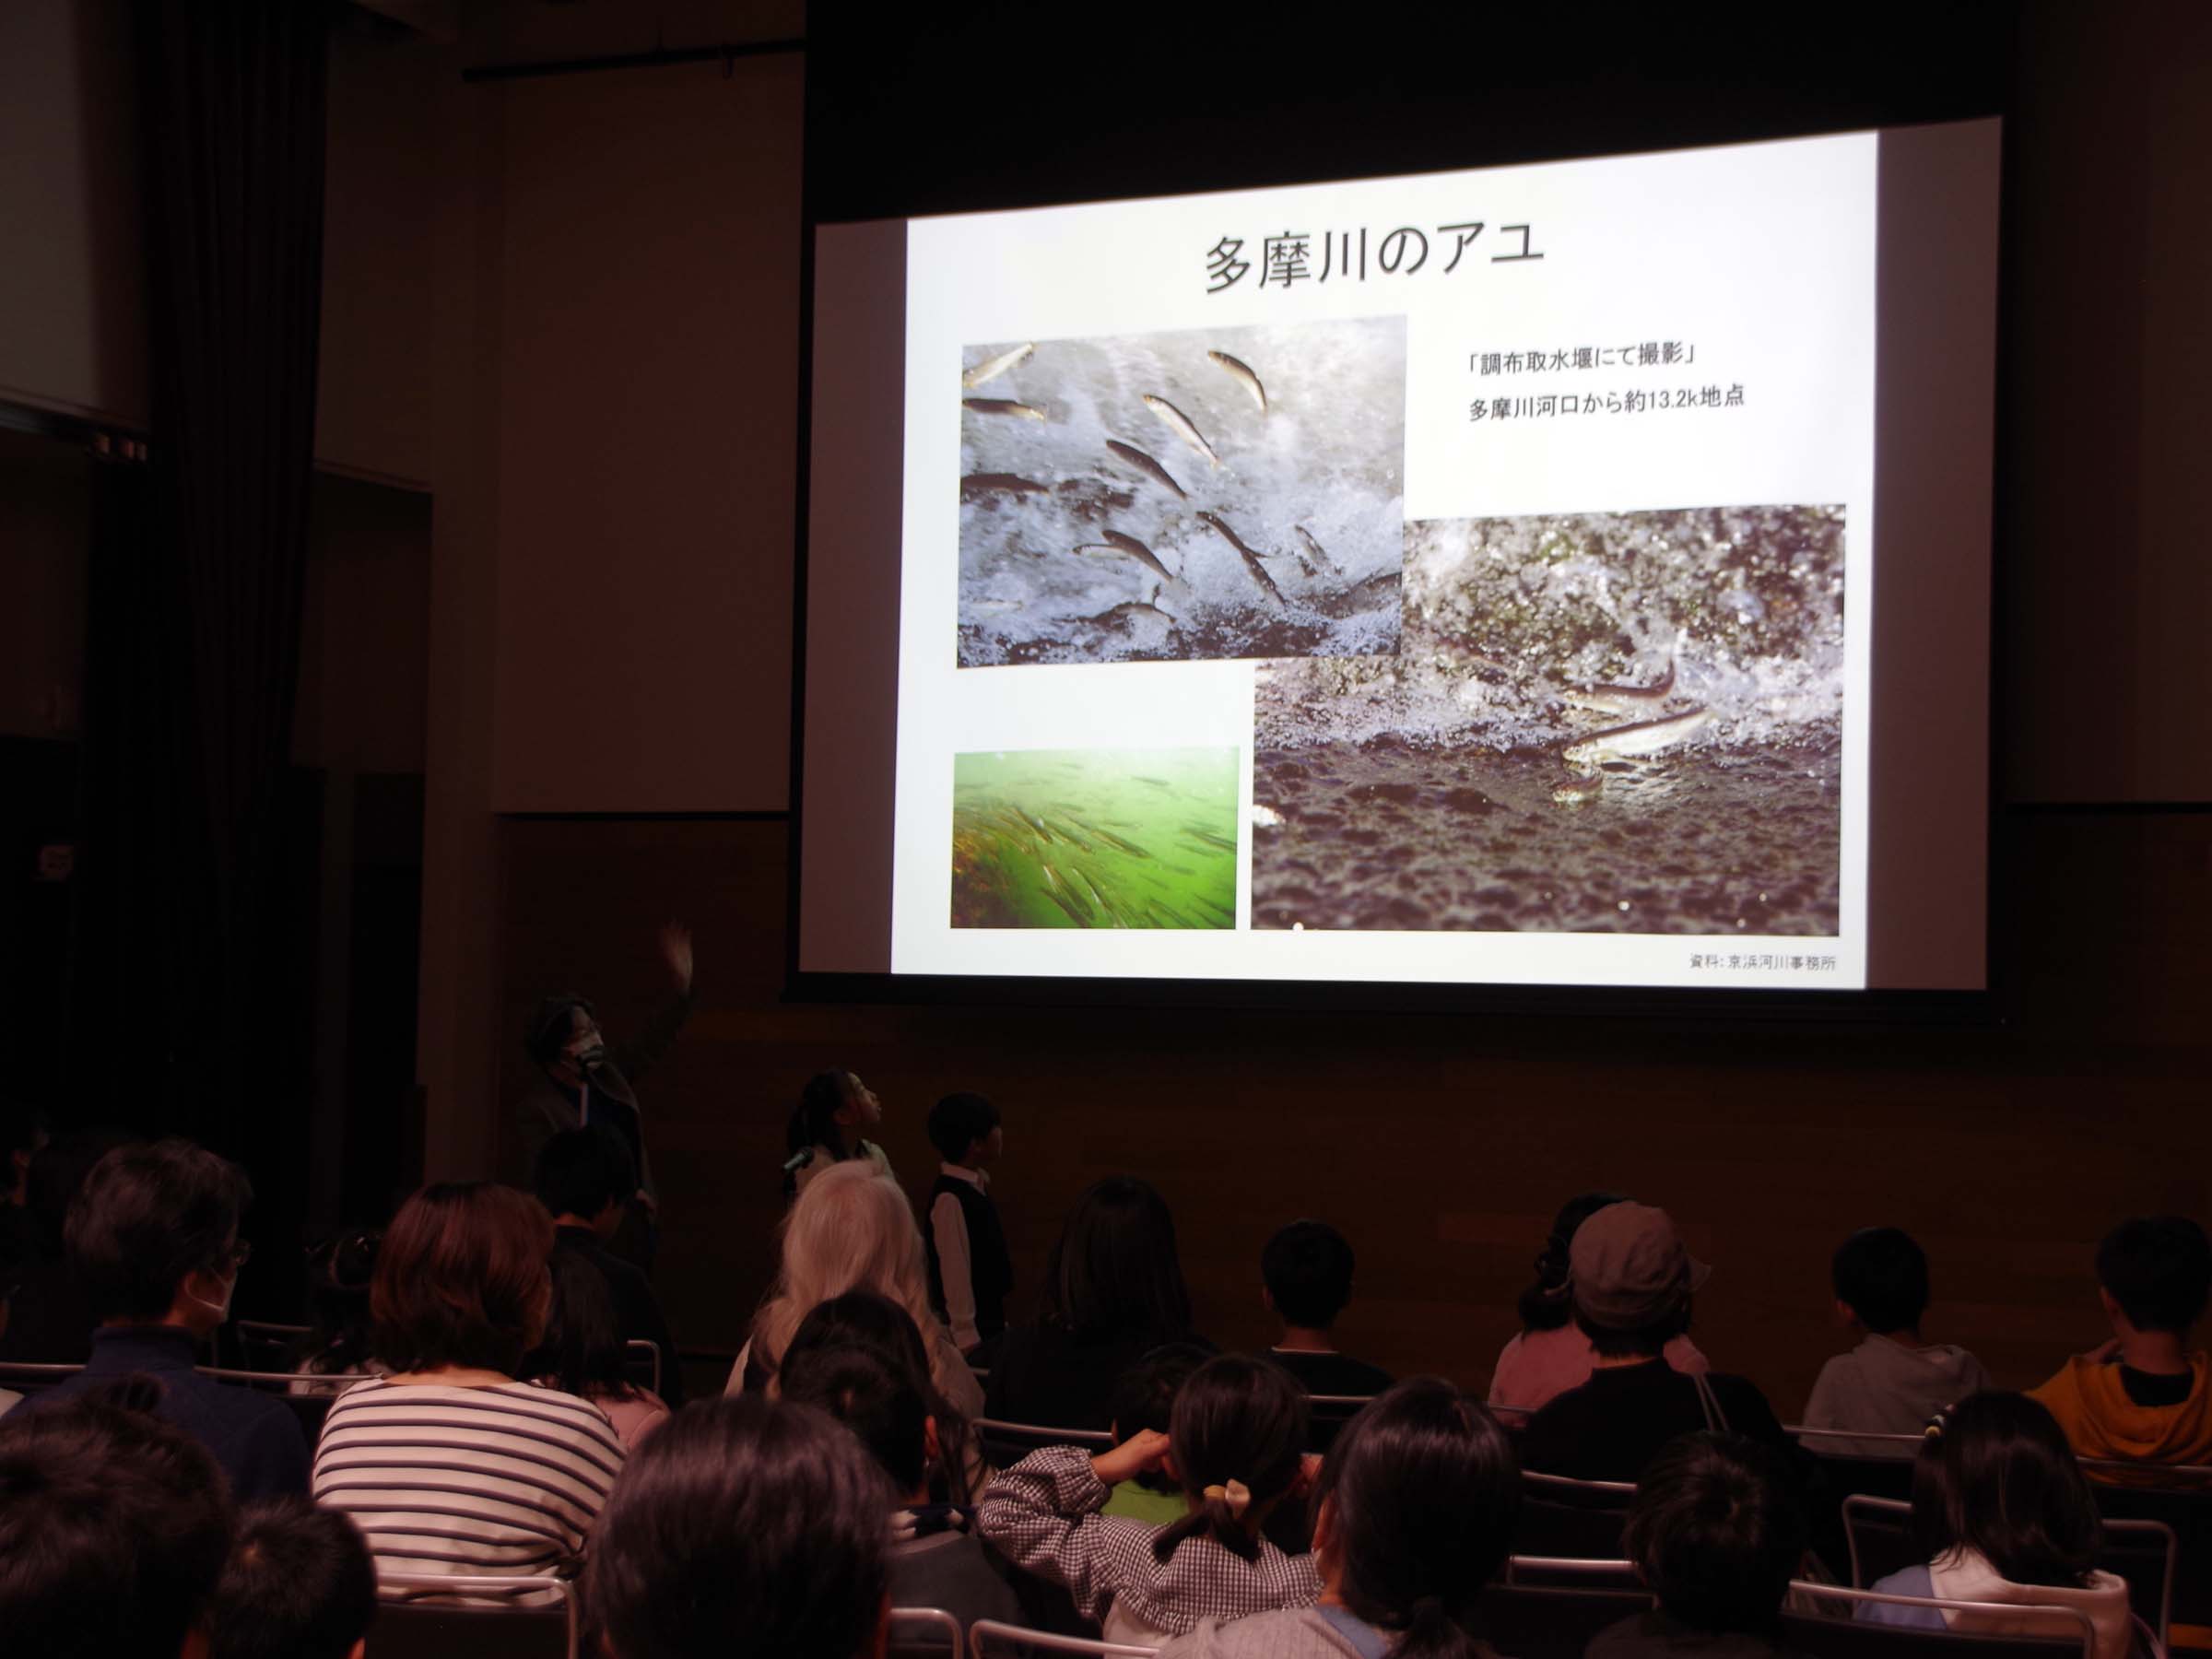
x=1628, y=1267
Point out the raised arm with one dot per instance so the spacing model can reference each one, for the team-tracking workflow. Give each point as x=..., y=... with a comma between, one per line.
x=1043, y=1515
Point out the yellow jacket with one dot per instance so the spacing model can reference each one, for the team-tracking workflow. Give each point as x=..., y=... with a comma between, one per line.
x=2092, y=1405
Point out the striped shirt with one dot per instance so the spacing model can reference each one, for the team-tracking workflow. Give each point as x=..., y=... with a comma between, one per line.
x=506, y=1479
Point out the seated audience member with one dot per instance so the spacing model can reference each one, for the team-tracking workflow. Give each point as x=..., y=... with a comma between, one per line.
x=969, y=1271
x=865, y=1320
x=2004, y=1513
x=581, y=1353
x=50, y=1321
x=1144, y=1397
x=1716, y=1535
x=154, y=1238
x=1114, y=1292
x=1307, y=1269
x=748, y=1525
x=852, y=1229
x=935, y=1560
x=298, y=1585
x=448, y=1465
x=1413, y=1515
x=1237, y=1447
x=585, y=1179
x=1632, y=1285
x=113, y=1529
x=1893, y=1381
x=833, y=1108
x=2143, y=1396
x=341, y=1346
x=1551, y=1355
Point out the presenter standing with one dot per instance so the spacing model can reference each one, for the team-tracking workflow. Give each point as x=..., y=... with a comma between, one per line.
x=584, y=1081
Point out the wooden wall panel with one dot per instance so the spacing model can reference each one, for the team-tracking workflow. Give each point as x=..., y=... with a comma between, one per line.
x=1440, y=1145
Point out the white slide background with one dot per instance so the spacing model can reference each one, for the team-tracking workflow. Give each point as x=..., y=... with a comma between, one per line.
x=1762, y=257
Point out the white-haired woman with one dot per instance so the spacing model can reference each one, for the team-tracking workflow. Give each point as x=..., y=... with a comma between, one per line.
x=852, y=1229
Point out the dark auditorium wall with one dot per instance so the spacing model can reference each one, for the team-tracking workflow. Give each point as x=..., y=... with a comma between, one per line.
x=1442, y=1145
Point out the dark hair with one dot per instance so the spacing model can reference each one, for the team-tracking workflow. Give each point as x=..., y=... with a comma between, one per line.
x=871, y=1396
x=958, y=1122
x=1114, y=1270
x=113, y=1527
x=1423, y=1489
x=298, y=1585
x=2159, y=1268
x=1144, y=1397
x=1715, y=1532
x=546, y=1037
x=339, y=1272
x=1235, y=1419
x=814, y=1119
x=582, y=1352
x=461, y=1278
x=148, y=1215
x=1882, y=1277
x=581, y=1171
x=1308, y=1270
x=865, y=1319
x=1994, y=1473
x=55, y=1177
x=741, y=1518
x=1546, y=1304
x=1645, y=1342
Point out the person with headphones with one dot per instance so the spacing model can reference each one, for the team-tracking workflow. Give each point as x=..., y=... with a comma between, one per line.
x=582, y=1080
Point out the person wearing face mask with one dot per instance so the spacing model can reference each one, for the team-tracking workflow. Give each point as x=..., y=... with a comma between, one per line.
x=153, y=1236
x=584, y=1081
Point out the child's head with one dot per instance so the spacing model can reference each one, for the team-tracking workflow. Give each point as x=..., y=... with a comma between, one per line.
x=1236, y=1438
x=1115, y=1271
x=1714, y=1532
x=965, y=1130
x=1144, y=1397
x=587, y=1174
x=742, y=1516
x=1995, y=1475
x=1414, y=1513
x=875, y=1398
x=298, y=1585
x=1307, y=1267
x=1881, y=1279
x=860, y=1319
x=833, y=1104
x=2156, y=1273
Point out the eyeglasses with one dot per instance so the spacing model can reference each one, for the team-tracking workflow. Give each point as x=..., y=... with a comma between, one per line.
x=240, y=1254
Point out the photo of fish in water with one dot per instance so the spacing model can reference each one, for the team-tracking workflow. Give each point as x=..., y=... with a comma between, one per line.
x=1199, y=494
x=1095, y=837
x=1603, y=722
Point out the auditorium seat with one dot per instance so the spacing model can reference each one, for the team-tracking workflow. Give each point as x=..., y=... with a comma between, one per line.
x=310, y=1408
x=1549, y=1621
x=263, y=1345
x=1578, y=1519
x=1005, y=1444
x=2182, y=1500
x=987, y=1638
x=408, y=1629
x=1327, y=1414
x=1570, y=1572
x=925, y=1633
x=28, y=1377
x=1888, y=1474
x=1817, y=1622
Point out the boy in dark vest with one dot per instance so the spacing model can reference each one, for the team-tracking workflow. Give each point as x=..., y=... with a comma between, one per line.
x=969, y=1271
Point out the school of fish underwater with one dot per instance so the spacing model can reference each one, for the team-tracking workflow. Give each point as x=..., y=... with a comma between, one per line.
x=1106, y=838
x=1199, y=494
x=1623, y=723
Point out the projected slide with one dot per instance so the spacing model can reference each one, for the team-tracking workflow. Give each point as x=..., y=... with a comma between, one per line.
x=1467, y=578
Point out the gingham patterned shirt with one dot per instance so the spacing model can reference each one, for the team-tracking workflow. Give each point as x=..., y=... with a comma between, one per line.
x=1043, y=1514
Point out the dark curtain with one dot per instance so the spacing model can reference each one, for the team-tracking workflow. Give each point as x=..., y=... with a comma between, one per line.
x=185, y=964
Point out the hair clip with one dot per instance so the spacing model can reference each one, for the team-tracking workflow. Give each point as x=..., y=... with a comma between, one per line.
x=1936, y=1425
x=1235, y=1493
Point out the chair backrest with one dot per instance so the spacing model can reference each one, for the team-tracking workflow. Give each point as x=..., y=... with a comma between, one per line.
x=1833, y=1632
x=1563, y=1518
x=988, y=1639
x=411, y=1626
x=1573, y=1572
x=29, y=1377
x=1327, y=1414
x=2144, y=1554
x=263, y=1344
x=641, y=1363
x=1005, y=1443
x=925, y=1633
x=2188, y=1515
x=1551, y=1621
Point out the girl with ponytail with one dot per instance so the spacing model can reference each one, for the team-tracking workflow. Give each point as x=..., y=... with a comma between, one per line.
x=1412, y=1515
x=1236, y=1444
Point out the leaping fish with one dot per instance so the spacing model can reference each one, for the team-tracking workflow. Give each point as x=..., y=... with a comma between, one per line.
x=1643, y=737
x=1321, y=554
x=1179, y=424
x=989, y=369
x=1622, y=699
x=1251, y=558
x=1241, y=373
x=1001, y=406
x=1146, y=464
x=1118, y=542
